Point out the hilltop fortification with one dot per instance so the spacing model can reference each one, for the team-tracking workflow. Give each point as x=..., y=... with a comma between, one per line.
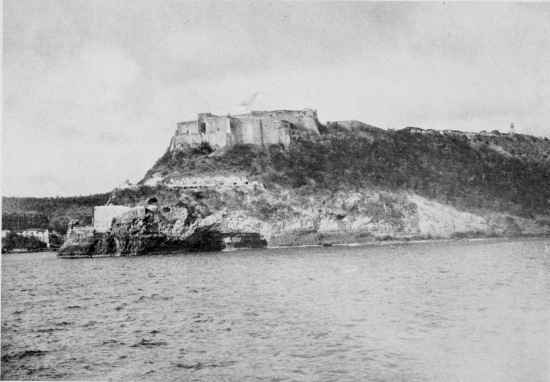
x=282, y=179
x=260, y=128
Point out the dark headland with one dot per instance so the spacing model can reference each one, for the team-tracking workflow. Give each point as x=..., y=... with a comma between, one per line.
x=282, y=178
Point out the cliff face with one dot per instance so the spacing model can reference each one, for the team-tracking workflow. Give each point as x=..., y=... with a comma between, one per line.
x=351, y=184
x=210, y=220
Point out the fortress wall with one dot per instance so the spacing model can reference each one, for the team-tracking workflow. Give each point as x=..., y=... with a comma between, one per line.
x=215, y=124
x=202, y=117
x=252, y=132
x=284, y=134
x=217, y=139
x=190, y=127
x=306, y=118
x=185, y=139
x=247, y=131
x=310, y=122
x=241, y=116
x=276, y=132
x=236, y=130
x=270, y=132
x=258, y=128
x=230, y=140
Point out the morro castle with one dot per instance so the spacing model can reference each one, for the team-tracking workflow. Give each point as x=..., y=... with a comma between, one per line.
x=259, y=128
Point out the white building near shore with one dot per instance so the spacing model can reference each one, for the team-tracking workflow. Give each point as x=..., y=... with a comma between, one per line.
x=39, y=233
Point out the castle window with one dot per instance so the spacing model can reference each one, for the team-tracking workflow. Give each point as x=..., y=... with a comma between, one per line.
x=203, y=128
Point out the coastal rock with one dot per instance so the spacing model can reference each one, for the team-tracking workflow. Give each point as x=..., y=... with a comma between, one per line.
x=189, y=222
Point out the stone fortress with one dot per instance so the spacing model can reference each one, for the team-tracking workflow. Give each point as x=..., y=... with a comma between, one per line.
x=260, y=128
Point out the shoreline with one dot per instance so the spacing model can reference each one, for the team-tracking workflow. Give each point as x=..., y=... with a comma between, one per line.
x=403, y=242
x=364, y=244
x=17, y=251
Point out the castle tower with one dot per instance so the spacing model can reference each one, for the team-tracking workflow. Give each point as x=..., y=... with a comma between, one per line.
x=512, y=130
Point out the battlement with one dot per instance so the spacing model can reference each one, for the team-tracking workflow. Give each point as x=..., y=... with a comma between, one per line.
x=259, y=128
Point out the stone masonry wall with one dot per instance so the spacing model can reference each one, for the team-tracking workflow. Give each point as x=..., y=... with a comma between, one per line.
x=179, y=141
x=306, y=118
x=217, y=125
x=190, y=127
x=216, y=140
x=276, y=132
x=258, y=128
x=248, y=131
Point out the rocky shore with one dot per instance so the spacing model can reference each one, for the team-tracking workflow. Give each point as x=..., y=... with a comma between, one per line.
x=212, y=220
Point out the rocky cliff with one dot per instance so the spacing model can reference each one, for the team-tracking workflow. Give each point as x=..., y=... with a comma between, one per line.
x=351, y=184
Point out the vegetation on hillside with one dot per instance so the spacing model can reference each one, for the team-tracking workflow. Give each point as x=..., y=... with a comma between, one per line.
x=51, y=213
x=14, y=241
x=508, y=174
x=499, y=173
x=447, y=169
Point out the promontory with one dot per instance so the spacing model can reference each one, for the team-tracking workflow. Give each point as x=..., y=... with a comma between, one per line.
x=283, y=178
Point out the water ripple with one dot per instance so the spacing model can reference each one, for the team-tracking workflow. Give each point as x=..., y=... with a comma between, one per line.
x=425, y=312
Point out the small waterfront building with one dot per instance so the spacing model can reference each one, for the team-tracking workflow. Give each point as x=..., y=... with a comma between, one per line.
x=39, y=233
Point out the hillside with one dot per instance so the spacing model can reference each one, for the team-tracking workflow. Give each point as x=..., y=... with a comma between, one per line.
x=353, y=183
x=499, y=173
x=51, y=213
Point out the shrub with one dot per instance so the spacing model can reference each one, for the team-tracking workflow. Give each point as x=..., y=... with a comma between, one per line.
x=16, y=241
x=203, y=149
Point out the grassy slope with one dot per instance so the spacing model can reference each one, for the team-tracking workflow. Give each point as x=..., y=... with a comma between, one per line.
x=495, y=173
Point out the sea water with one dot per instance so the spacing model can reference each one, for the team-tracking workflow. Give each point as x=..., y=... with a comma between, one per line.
x=452, y=311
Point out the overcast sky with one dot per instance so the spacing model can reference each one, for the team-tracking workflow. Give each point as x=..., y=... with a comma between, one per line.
x=92, y=90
